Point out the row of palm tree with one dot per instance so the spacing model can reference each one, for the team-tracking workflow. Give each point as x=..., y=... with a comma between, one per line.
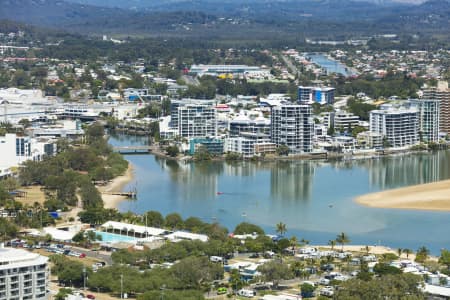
x=406, y=251
x=341, y=238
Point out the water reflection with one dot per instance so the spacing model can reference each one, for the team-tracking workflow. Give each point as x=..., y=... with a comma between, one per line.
x=196, y=180
x=314, y=198
x=291, y=181
x=392, y=172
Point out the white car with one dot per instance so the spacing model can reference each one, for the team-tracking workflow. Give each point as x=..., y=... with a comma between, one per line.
x=247, y=293
x=324, y=281
x=341, y=278
x=327, y=291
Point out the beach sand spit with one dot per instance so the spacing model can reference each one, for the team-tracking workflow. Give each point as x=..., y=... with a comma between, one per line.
x=116, y=185
x=431, y=196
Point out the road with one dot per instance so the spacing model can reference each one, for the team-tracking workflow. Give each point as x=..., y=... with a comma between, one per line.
x=100, y=255
x=290, y=65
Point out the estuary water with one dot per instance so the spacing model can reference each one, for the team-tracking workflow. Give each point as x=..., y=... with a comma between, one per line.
x=331, y=66
x=313, y=198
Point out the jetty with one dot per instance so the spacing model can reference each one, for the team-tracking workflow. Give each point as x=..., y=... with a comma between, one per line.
x=131, y=195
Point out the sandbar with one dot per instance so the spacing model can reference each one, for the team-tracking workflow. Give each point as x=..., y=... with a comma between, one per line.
x=430, y=196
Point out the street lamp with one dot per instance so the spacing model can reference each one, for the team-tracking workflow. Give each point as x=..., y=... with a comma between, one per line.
x=121, y=286
x=163, y=287
x=84, y=277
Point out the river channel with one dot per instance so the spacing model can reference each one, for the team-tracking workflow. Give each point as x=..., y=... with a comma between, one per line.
x=313, y=198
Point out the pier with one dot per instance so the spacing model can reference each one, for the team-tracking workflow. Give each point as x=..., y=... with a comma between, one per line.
x=131, y=195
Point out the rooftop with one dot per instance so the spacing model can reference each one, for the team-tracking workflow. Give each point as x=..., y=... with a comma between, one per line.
x=135, y=228
x=19, y=257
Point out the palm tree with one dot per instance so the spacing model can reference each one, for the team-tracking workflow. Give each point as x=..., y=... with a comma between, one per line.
x=422, y=254
x=304, y=241
x=294, y=242
x=407, y=252
x=332, y=243
x=342, y=239
x=399, y=252
x=281, y=228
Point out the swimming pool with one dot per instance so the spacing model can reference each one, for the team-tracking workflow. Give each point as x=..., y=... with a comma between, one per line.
x=108, y=237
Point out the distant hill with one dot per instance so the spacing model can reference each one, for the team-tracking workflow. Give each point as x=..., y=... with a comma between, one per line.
x=70, y=13
x=139, y=4
x=53, y=12
x=80, y=17
x=430, y=16
x=263, y=19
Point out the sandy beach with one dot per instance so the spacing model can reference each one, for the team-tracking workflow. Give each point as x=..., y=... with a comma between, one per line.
x=431, y=196
x=360, y=248
x=116, y=185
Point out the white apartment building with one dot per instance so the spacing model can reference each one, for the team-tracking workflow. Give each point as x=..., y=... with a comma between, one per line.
x=429, y=118
x=18, y=149
x=23, y=275
x=242, y=124
x=399, y=127
x=345, y=120
x=293, y=126
x=197, y=121
x=250, y=144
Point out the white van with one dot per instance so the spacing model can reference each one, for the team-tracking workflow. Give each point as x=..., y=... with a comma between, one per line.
x=216, y=259
x=247, y=293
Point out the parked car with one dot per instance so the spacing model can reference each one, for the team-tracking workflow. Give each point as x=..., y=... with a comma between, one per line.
x=254, y=255
x=327, y=291
x=216, y=259
x=90, y=296
x=327, y=267
x=247, y=293
x=269, y=254
x=222, y=290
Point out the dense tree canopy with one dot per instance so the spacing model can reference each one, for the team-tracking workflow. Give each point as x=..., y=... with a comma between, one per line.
x=403, y=287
